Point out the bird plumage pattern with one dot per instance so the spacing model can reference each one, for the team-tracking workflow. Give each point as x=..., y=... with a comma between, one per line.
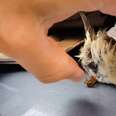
x=98, y=55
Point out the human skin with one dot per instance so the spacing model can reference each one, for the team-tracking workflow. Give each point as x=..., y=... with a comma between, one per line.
x=23, y=34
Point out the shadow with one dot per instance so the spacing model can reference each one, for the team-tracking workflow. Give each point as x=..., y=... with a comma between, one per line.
x=85, y=107
x=98, y=84
x=73, y=26
x=10, y=67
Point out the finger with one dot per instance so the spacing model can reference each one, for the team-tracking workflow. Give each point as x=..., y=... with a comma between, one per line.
x=64, y=67
x=106, y=6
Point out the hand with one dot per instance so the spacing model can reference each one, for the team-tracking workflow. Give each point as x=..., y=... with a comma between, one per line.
x=23, y=36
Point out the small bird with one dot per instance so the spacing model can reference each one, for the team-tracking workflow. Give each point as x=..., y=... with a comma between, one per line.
x=98, y=55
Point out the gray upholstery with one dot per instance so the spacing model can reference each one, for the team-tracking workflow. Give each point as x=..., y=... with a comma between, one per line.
x=23, y=95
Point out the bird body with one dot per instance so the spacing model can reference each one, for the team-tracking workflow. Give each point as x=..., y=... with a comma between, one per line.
x=98, y=55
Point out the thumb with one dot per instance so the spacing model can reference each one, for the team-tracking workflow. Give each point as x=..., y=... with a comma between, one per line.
x=62, y=66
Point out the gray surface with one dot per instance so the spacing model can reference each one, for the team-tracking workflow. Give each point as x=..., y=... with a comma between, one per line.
x=23, y=95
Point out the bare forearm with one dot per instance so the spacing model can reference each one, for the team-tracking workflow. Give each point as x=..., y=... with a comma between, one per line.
x=23, y=35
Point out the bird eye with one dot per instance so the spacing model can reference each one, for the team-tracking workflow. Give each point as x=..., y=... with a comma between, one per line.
x=89, y=54
x=93, y=67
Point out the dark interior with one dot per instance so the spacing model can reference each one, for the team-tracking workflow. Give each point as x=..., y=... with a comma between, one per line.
x=73, y=26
